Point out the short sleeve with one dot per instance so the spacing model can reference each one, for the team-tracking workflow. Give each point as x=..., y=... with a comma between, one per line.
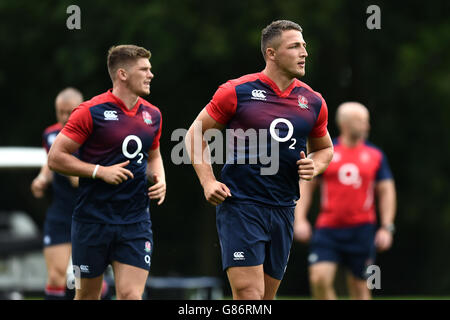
x=320, y=127
x=79, y=126
x=384, y=171
x=155, y=143
x=222, y=107
x=45, y=143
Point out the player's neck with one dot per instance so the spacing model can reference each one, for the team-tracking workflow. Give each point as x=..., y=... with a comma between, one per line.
x=350, y=142
x=281, y=80
x=128, y=98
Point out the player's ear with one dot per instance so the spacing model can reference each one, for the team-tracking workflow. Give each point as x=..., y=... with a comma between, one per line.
x=270, y=53
x=121, y=74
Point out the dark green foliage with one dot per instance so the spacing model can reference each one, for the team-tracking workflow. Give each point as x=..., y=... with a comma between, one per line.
x=401, y=72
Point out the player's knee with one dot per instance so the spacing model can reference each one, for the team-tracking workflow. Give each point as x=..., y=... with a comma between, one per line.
x=86, y=295
x=56, y=277
x=320, y=279
x=249, y=292
x=363, y=295
x=359, y=291
x=129, y=294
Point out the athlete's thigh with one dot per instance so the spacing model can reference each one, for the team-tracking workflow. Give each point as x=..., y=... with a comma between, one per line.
x=323, y=272
x=246, y=277
x=271, y=286
x=88, y=288
x=58, y=256
x=129, y=279
x=358, y=287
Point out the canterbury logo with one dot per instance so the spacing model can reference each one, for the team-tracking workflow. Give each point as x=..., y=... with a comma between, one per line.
x=110, y=115
x=259, y=94
x=84, y=268
x=238, y=255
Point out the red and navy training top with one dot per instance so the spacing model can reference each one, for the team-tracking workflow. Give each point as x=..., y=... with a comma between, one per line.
x=64, y=195
x=109, y=133
x=254, y=102
x=348, y=185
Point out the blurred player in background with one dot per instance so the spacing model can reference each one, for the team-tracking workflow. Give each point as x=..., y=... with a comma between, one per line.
x=58, y=219
x=346, y=231
x=117, y=134
x=255, y=212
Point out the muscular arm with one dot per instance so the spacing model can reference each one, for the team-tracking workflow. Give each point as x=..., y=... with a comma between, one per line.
x=155, y=165
x=61, y=159
x=156, y=174
x=307, y=189
x=198, y=149
x=74, y=181
x=320, y=153
x=387, y=203
x=302, y=227
x=42, y=181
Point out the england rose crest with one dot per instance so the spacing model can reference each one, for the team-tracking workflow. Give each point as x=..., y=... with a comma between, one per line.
x=302, y=102
x=147, y=246
x=147, y=117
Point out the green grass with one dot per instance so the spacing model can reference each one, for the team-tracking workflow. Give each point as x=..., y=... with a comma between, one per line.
x=374, y=298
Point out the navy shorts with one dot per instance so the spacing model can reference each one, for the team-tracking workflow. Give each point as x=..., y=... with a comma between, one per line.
x=56, y=232
x=252, y=235
x=95, y=246
x=353, y=247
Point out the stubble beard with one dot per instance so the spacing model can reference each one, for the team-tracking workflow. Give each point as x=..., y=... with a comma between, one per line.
x=138, y=90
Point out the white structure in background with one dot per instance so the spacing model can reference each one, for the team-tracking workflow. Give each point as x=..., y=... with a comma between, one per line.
x=22, y=157
x=24, y=271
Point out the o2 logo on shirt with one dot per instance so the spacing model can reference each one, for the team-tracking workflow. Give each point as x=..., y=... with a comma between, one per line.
x=348, y=175
x=138, y=152
x=275, y=135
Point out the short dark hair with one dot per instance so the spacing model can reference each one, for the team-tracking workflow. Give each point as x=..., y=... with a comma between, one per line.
x=274, y=30
x=119, y=56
